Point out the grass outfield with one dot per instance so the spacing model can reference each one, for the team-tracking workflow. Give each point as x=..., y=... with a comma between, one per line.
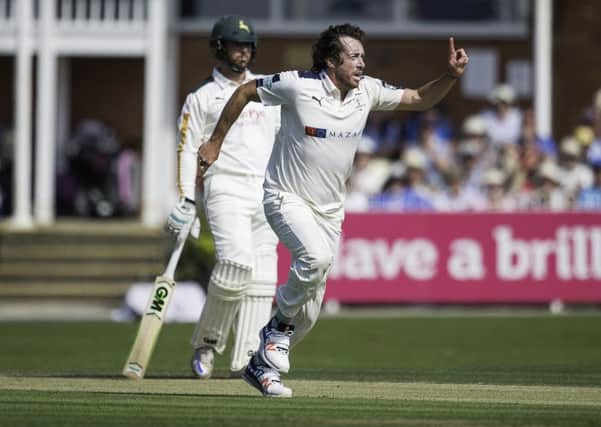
x=406, y=371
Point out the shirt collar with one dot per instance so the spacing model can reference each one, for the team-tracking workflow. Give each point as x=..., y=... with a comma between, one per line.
x=328, y=84
x=332, y=89
x=224, y=82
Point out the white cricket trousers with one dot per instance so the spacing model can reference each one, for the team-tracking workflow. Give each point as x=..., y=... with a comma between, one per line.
x=245, y=275
x=312, y=239
x=237, y=221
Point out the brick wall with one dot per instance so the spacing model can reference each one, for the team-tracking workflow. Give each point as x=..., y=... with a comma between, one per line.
x=111, y=90
x=577, y=60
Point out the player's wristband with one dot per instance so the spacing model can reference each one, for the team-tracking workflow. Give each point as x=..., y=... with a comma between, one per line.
x=451, y=75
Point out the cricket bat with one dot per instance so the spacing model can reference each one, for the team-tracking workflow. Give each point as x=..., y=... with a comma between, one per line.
x=156, y=308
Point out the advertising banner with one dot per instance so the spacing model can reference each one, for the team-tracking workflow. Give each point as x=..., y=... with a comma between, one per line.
x=465, y=258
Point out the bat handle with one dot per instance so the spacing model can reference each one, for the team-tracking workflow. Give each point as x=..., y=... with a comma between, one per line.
x=177, y=250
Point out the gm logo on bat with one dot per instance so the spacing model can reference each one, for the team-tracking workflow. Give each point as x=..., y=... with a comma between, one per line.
x=158, y=300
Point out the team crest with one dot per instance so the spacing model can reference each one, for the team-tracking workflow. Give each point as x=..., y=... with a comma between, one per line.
x=243, y=26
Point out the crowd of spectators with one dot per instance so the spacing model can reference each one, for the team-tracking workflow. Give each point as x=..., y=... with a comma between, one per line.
x=493, y=161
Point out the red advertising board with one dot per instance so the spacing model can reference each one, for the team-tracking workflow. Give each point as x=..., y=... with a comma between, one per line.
x=465, y=258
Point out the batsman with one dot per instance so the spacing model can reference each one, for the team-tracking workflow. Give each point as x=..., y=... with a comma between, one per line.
x=242, y=284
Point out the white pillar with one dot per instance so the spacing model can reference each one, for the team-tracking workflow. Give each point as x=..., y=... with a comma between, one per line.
x=46, y=118
x=153, y=171
x=22, y=167
x=543, y=56
x=168, y=147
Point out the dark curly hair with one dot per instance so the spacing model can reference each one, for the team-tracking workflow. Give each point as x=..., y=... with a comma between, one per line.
x=329, y=46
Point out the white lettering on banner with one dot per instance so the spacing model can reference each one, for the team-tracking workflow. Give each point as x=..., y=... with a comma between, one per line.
x=362, y=259
x=420, y=263
x=389, y=262
x=574, y=252
x=466, y=261
x=562, y=260
x=596, y=252
x=358, y=261
x=518, y=259
x=580, y=253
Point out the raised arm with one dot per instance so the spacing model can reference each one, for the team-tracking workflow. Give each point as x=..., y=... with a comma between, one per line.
x=209, y=151
x=434, y=91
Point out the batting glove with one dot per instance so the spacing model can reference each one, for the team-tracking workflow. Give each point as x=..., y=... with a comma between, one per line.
x=183, y=213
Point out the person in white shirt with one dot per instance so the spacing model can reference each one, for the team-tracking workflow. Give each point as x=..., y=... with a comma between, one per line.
x=575, y=174
x=242, y=283
x=323, y=114
x=504, y=120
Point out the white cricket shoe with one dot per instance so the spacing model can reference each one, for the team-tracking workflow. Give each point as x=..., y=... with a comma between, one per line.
x=265, y=379
x=202, y=362
x=275, y=344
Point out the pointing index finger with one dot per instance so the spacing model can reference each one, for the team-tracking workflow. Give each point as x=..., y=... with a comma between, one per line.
x=451, y=46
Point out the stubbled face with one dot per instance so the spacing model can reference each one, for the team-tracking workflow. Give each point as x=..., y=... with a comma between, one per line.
x=347, y=74
x=238, y=54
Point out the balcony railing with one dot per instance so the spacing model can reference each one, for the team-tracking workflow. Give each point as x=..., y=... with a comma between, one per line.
x=88, y=27
x=93, y=15
x=7, y=15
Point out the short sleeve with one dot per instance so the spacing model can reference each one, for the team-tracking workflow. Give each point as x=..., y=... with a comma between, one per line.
x=383, y=96
x=277, y=89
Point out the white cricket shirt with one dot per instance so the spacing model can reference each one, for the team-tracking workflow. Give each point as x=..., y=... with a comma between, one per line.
x=247, y=145
x=319, y=133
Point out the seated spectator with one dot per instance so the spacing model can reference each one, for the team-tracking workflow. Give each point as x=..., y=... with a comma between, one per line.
x=436, y=150
x=367, y=177
x=508, y=159
x=407, y=192
x=503, y=121
x=548, y=195
x=474, y=154
x=589, y=199
x=530, y=158
x=456, y=197
x=575, y=174
x=529, y=136
x=391, y=196
x=432, y=118
x=384, y=128
x=369, y=173
x=497, y=199
x=418, y=195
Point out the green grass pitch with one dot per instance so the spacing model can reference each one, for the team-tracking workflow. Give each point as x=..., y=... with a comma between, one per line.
x=537, y=370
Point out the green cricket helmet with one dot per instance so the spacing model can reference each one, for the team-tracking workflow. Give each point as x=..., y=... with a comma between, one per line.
x=232, y=28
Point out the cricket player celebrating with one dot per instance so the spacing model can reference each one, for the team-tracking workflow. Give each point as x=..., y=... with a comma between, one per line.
x=323, y=116
x=242, y=283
